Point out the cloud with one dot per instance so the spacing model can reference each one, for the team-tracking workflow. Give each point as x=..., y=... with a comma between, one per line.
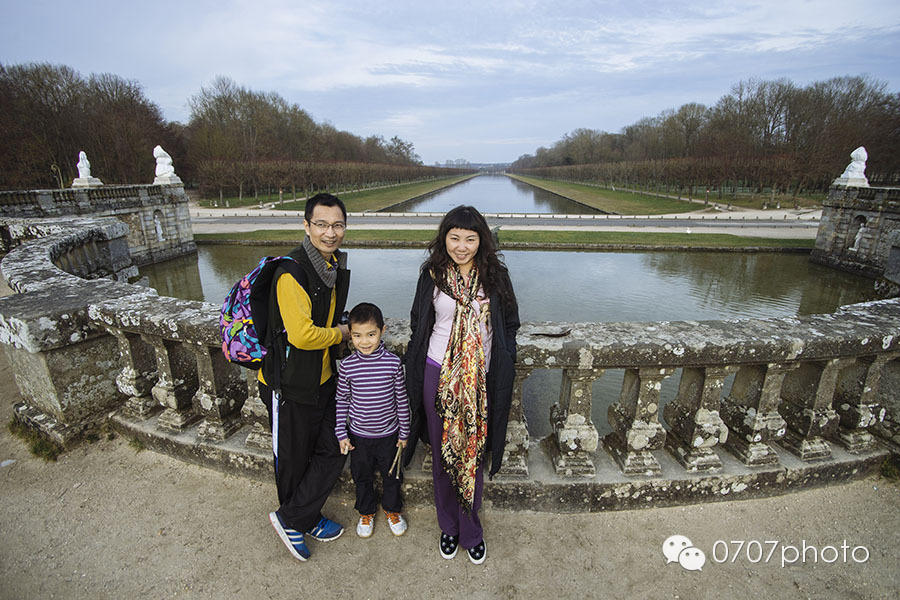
x=474, y=76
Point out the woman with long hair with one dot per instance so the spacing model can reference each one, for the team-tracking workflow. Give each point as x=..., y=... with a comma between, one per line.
x=460, y=370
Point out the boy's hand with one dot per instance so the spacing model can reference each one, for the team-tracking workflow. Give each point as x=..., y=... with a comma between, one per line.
x=401, y=443
x=346, y=446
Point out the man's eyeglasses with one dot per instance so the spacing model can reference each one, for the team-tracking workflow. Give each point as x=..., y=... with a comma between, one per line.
x=323, y=226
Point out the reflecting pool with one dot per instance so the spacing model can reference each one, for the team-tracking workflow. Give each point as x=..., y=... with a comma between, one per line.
x=568, y=286
x=494, y=194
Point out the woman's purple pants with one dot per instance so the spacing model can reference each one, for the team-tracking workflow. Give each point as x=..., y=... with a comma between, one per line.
x=452, y=519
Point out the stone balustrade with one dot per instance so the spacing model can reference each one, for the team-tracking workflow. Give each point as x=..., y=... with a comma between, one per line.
x=761, y=406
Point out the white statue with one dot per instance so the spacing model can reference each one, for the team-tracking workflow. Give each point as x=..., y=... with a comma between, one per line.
x=165, y=172
x=855, y=173
x=84, y=178
x=859, y=236
x=84, y=166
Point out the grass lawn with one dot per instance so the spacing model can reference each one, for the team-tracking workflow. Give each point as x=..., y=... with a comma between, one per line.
x=761, y=201
x=716, y=240
x=620, y=203
x=372, y=199
x=742, y=199
x=376, y=199
x=712, y=240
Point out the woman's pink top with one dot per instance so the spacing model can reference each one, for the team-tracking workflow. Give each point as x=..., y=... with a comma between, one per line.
x=444, y=310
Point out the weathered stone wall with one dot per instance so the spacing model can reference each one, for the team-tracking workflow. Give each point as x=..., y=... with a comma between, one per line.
x=860, y=231
x=157, y=215
x=65, y=366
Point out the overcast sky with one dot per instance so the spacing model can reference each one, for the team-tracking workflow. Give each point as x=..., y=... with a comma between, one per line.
x=486, y=81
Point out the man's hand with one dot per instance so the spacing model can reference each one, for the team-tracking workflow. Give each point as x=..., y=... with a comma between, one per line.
x=345, y=332
x=346, y=446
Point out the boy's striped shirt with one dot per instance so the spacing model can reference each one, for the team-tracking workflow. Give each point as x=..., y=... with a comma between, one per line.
x=371, y=391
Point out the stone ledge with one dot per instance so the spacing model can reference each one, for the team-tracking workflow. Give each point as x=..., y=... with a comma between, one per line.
x=63, y=434
x=164, y=317
x=55, y=317
x=607, y=490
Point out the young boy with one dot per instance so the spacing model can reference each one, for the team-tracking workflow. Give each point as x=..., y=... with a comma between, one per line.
x=371, y=400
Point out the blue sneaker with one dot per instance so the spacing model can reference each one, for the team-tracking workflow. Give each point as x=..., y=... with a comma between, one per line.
x=326, y=530
x=292, y=538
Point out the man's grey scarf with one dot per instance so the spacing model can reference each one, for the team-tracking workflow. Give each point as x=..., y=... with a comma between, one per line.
x=326, y=274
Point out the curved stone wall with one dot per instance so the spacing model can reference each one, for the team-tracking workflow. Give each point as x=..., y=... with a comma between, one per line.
x=763, y=406
x=159, y=225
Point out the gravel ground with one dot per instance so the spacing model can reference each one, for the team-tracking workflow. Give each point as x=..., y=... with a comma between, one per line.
x=109, y=521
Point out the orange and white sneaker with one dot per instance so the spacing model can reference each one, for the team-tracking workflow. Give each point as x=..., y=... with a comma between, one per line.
x=365, y=526
x=396, y=521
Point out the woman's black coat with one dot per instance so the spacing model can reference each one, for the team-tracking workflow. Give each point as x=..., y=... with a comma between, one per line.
x=500, y=376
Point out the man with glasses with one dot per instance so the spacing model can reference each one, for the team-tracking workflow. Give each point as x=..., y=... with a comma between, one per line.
x=297, y=379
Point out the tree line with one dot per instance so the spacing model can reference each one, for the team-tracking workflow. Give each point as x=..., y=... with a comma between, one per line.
x=237, y=141
x=763, y=134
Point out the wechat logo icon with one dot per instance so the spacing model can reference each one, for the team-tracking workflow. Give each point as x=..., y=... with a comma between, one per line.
x=678, y=548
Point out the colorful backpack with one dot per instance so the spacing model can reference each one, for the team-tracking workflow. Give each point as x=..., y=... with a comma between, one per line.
x=245, y=314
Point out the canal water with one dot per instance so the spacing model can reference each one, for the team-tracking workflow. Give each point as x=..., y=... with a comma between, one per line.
x=494, y=194
x=569, y=286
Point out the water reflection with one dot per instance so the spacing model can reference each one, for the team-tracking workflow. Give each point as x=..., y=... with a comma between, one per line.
x=494, y=194
x=568, y=286
x=178, y=277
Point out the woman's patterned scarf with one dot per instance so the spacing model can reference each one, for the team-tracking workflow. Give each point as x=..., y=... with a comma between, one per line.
x=462, y=390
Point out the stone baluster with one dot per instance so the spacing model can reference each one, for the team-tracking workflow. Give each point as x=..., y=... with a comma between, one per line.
x=136, y=378
x=92, y=257
x=515, y=456
x=176, y=385
x=856, y=402
x=255, y=412
x=62, y=261
x=806, y=397
x=635, y=421
x=220, y=394
x=695, y=426
x=575, y=438
x=751, y=412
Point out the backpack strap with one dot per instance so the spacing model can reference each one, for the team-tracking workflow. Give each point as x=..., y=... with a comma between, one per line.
x=276, y=335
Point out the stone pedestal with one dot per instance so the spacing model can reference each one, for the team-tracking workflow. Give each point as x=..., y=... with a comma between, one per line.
x=574, y=434
x=635, y=422
x=515, y=454
x=255, y=412
x=695, y=426
x=176, y=385
x=806, y=396
x=856, y=402
x=168, y=180
x=751, y=412
x=86, y=182
x=137, y=376
x=220, y=394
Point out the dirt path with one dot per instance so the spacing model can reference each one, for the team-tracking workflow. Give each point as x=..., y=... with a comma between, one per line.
x=107, y=521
